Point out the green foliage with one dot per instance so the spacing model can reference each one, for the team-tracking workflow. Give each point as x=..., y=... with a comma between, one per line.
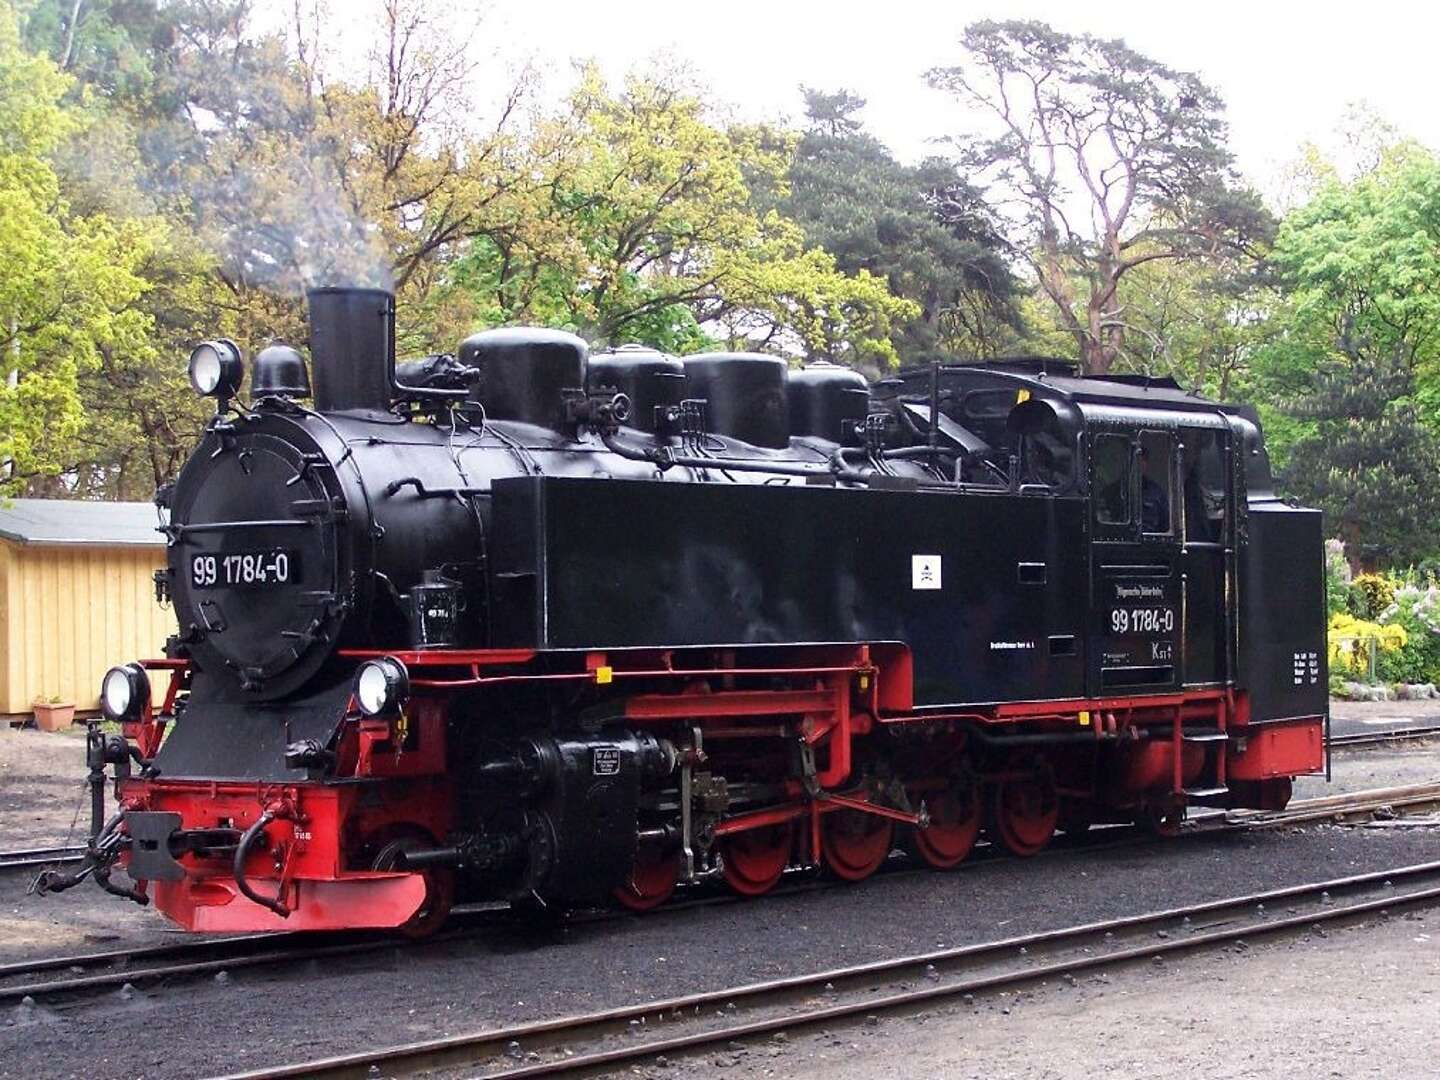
x=69, y=295
x=1418, y=659
x=112, y=45
x=923, y=229
x=640, y=221
x=1391, y=624
x=1370, y=595
x=1353, y=353
x=1415, y=608
x=1358, y=646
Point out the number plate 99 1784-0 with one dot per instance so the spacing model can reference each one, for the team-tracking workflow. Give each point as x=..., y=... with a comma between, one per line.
x=243, y=569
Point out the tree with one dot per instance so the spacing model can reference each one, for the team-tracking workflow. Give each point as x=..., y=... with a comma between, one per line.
x=1196, y=322
x=71, y=281
x=1105, y=160
x=1369, y=462
x=111, y=45
x=920, y=228
x=643, y=223
x=190, y=177
x=1354, y=357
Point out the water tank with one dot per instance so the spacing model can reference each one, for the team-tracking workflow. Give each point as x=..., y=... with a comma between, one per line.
x=651, y=380
x=523, y=372
x=744, y=394
x=827, y=401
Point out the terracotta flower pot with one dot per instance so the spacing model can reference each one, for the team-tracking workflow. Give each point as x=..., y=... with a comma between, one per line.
x=54, y=716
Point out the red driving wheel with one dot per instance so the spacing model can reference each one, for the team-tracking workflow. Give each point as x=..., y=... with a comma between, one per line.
x=855, y=843
x=1026, y=811
x=953, y=829
x=755, y=859
x=652, y=879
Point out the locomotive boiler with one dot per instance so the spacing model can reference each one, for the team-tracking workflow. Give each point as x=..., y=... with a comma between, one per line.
x=528, y=623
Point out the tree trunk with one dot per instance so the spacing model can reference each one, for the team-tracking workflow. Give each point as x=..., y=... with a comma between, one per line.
x=68, y=48
x=1104, y=336
x=1095, y=355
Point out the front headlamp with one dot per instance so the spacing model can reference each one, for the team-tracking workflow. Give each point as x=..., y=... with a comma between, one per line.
x=125, y=692
x=216, y=369
x=381, y=686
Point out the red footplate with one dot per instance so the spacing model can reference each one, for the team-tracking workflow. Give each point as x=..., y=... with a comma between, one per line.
x=214, y=905
x=1288, y=749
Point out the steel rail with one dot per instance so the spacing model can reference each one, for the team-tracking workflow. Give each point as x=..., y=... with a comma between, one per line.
x=144, y=952
x=589, y=1041
x=1339, y=808
x=211, y=956
x=21, y=991
x=38, y=857
x=1379, y=738
x=193, y=958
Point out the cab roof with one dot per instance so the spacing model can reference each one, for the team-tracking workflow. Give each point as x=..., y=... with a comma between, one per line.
x=1053, y=377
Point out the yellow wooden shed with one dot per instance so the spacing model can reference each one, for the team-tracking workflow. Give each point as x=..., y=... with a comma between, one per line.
x=77, y=595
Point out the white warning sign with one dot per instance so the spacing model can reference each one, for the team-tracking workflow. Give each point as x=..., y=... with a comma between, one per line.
x=925, y=571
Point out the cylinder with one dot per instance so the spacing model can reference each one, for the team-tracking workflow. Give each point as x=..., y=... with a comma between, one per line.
x=651, y=380
x=524, y=373
x=827, y=401
x=352, y=348
x=744, y=394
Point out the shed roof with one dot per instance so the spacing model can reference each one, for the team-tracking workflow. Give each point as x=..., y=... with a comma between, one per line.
x=75, y=521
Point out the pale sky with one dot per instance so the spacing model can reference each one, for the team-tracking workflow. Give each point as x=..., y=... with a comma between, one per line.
x=1287, y=71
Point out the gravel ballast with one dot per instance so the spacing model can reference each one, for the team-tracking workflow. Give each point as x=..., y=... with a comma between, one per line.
x=506, y=975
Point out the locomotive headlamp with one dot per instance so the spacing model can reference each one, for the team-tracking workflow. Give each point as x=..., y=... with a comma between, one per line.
x=381, y=686
x=125, y=692
x=216, y=369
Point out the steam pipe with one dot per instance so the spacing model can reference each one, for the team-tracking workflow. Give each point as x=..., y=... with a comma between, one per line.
x=242, y=852
x=430, y=493
x=839, y=468
x=663, y=458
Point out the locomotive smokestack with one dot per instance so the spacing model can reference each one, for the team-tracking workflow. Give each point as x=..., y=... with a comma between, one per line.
x=352, y=348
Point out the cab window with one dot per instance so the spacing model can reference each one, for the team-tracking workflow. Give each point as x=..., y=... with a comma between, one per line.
x=1203, y=468
x=1110, y=488
x=1155, y=473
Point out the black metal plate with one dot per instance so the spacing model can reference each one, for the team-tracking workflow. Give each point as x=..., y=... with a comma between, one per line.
x=615, y=564
x=150, y=858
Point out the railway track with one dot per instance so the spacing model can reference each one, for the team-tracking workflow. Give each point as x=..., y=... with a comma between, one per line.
x=39, y=858
x=715, y=1019
x=80, y=975
x=1380, y=738
x=1351, y=806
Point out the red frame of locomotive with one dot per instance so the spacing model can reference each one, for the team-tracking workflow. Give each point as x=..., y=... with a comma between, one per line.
x=833, y=696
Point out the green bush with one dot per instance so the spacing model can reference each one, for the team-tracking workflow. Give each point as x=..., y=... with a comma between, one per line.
x=1370, y=594
x=1418, y=660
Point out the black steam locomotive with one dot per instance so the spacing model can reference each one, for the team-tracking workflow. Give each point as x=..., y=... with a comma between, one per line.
x=530, y=623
